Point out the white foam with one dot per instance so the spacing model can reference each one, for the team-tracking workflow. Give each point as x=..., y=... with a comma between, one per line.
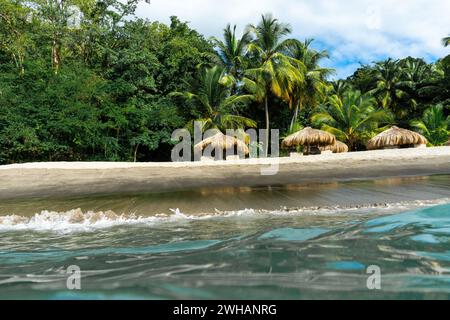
x=78, y=221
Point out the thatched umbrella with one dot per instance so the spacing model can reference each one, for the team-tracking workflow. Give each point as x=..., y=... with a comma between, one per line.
x=222, y=142
x=396, y=137
x=309, y=137
x=338, y=147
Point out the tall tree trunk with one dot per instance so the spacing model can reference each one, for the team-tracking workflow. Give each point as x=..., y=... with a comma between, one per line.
x=21, y=62
x=294, y=118
x=135, y=152
x=60, y=23
x=56, y=56
x=266, y=107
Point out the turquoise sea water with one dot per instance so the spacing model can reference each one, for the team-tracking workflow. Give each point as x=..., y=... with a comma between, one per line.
x=309, y=253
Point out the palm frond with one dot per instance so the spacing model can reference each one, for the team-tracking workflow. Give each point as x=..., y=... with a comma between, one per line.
x=340, y=135
x=237, y=99
x=237, y=122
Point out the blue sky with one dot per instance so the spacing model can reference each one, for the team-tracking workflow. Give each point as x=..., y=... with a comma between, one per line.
x=353, y=31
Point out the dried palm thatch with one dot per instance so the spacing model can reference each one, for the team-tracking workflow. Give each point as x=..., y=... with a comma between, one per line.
x=338, y=147
x=222, y=142
x=396, y=137
x=309, y=137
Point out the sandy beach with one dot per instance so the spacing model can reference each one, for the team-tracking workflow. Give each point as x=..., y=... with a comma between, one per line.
x=65, y=179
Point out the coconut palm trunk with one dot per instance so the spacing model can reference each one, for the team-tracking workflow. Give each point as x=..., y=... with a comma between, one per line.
x=294, y=117
x=266, y=145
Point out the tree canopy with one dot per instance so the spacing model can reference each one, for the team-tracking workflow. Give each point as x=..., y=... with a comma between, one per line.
x=87, y=80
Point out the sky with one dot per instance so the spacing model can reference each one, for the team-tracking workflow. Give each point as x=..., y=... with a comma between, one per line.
x=354, y=32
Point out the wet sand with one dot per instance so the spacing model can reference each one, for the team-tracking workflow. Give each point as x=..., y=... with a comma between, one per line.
x=73, y=179
x=334, y=195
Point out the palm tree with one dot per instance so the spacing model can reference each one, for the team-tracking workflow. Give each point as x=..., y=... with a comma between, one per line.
x=446, y=41
x=436, y=87
x=415, y=71
x=340, y=87
x=269, y=33
x=434, y=125
x=275, y=72
x=313, y=90
x=352, y=118
x=389, y=86
x=415, y=75
x=214, y=103
x=231, y=51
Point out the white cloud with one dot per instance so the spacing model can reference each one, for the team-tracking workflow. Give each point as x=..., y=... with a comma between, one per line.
x=352, y=30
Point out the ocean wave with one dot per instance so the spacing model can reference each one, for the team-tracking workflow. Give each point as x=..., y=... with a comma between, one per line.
x=78, y=221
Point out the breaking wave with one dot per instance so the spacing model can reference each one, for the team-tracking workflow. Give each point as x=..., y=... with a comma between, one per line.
x=78, y=221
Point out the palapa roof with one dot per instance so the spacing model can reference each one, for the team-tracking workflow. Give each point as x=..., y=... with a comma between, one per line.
x=223, y=142
x=338, y=147
x=396, y=137
x=309, y=137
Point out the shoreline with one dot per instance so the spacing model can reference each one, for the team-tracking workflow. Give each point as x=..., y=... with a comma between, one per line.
x=73, y=179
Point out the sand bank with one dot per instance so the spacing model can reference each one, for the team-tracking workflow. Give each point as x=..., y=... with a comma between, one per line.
x=62, y=179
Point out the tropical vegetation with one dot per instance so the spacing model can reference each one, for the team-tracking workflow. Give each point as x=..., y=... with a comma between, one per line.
x=87, y=80
x=434, y=125
x=352, y=118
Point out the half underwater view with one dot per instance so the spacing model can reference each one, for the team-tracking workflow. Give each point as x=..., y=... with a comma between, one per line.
x=235, y=243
